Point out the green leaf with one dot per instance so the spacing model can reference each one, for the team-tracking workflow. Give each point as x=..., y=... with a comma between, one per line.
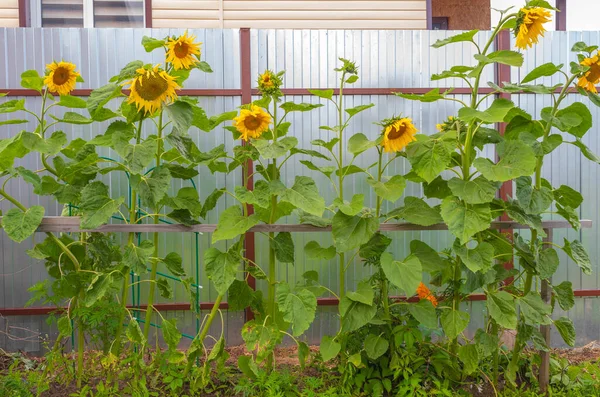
x=476, y=191
x=164, y=288
x=438, y=188
x=325, y=94
x=586, y=151
x=327, y=170
x=150, y=43
x=516, y=159
x=239, y=296
x=70, y=101
x=357, y=109
x=565, y=328
x=284, y=247
x=564, y=295
x=309, y=152
x=391, y=190
x=505, y=57
x=187, y=198
x=430, y=259
x=65, y=328
x=376, y=346
x=137, y=156
x=96, y=206
x=424, y=312
x=233, y=223
x=248, y=366
x=466, y=36
x=580, y=46
x=52, y=145
x=364, y=293
x=534, y=310
x=9, y=122
x=465, y=220
x=469, y=355
x=428, y=157
x=429, y=96
x=204, y=66
x=260, y=337
x=221, y=267
x=101, y=96
x=98, y=288
x=531, y=199
x=181, y=115
x=183, y=216
x=355, y=315
x=406, y=275
x=494, y=114
x=171, y=334
x=352, y=208
x=211, y=202
x=329, y=348
x=317, y=221
x=313, y=250
x=371, y=250
x=567, y=196
x=358, y=143
x=350, y=232
x=19, y=225
x=134, y=333
x=547, y=69
x=298, y=307
x=152, y=188
x=299, y=107
x=476, y=259
x=576, y=252
x=32, y=80
x=136, y=257
x=12, y=106
x=174, y=262
x=501, y=306
x=72, y=118
x=547, y=263
x=128, y=72
x=454, y=322
x=304, y=195
x=581, y=112
x=417, y=211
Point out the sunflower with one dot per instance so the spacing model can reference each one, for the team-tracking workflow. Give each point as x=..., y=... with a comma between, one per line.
x=181, y=51
x=269, y=82
x=150, y=88
x=61, y=77
x=589, y=79
x=451, y=124
x=398, y=133
x=252, y=122
x=530, y=26
x=424, y=293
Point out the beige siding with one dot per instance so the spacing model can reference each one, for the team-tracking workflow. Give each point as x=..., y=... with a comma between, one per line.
x=9, y=13
x=293, y=14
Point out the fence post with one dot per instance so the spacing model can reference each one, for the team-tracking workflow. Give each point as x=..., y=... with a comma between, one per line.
x=247, y=180
x=544, y=375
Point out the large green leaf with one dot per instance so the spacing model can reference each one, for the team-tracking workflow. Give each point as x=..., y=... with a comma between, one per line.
x=284, y=247
x=350, y=232
x=476, y=259
x=469, y=355
x=564, y=295
x=466, y=36
x=96, y=206
x=476, y=191
x=152, y=188
x=417, y=211
x=505, y=57
x=576, y=252
x=501, y=306
x=137, y=156
x=429, y=156
x=136, y=257
x=329, y=348
x=101, y=96
x=583, y=114
x=304, y=195
x=232, y=223
x=298, y=307
x=222, y=267
x=10, y=149
x=357, y=109
x=174, y=262
x=358, y=143
x=533, y=200
x=567, y=196
x=313, y=250
x=100, y=285
x=19, y=225
x=364, y=293
x=391, y=190
x=465, y=220
x=376, y=346
x=353, y=207
x=170, y=333
x=424, y=312
x=547, y=263
x=494, y=114
x=547, y=69
x=52, y=145
x=181, y=115
x=430, y=259
x=355, y=315
x=534, y=310
x=516, y=159
x=406, y=274
x=454, y=322
x=273, y=150
x=565, y=328
x=187, y=198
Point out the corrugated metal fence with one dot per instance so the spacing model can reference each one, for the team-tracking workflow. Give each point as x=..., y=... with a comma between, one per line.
x=388, y=61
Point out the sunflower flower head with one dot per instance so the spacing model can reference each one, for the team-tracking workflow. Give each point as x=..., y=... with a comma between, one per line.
x=589, y=79
x=398, y=132
x=530, y=26
x=183, y=52
x=451, y=124
x=150, y=88
x=61, y=77
x=424, y=293
x=252, y=122
x=269, y=82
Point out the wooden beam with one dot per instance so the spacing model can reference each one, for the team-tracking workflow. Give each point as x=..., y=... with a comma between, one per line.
x=70, y=224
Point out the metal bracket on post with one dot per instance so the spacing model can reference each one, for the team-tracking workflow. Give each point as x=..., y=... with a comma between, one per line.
x=545, y=292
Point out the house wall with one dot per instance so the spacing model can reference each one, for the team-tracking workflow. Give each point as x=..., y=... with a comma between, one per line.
x=463, y=15
x=9, y=13
x=290, y=14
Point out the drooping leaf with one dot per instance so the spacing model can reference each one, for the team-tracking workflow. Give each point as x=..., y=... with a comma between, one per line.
x=174, y=262
x=579, y=255
x=533, y=200
x=547, y=263
x=358, y=143
x=273, y=150
x=164, y=288
x=355, y=314
x=565, y=328
x=364, y=293
x=429, y=258
x=136, y=257
x=469, y=355
x=567, y=196
x=406, y=274
x=98, y=288
x=583, y=114
x=170, y=333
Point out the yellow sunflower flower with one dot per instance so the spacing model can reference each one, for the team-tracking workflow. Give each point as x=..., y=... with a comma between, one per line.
x=590, y=78
x=252, y=122
x=397, y=134
x=530, y=27
x=150, y=88
x=61, y=77
x=182, y=52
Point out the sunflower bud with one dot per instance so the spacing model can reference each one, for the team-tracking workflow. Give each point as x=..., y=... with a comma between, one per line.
x=451, y=124
x=269, y=83
x=348, y=67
